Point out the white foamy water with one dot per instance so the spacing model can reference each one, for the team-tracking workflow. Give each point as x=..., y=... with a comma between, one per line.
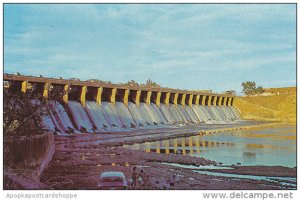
x=80, y=116
x=48, y=123
x=228, y=114
x=209, y=110
x=191, y=114
x=111, y=115
x=184, y=113
x=222, y=114
x=119, y=117
x=149, y=114
x=96, y=114
x=137, y=114
x=166, y=112
x=158, y=112
x=235, y=111
x=124, y=115
x=216, y=113
x=231, y=112
x=56, y=124
x=60, y=117
x=176, y=114
x=199, y=113
x=208, y=116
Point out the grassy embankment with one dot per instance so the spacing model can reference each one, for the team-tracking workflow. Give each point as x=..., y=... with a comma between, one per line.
x=281, y=107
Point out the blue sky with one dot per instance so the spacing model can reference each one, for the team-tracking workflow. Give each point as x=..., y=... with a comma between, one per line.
x=191, y=46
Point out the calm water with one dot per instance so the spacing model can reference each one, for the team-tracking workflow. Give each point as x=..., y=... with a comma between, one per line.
x=270, y=147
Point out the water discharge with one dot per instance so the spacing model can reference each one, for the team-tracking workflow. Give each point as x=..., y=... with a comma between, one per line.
x=227, y=113
x=191, y=114
x=231, y=112
x=184, y=113
x=221, y=113
x=149, y=114
x=118, y=116
x=236, y=112
x=216, y=113
x=177, y=114
x=137, y=115
x=124, y=115
x=48, y=123
x=158, y=113
x=96, y=114
x=199, y=113
x=111, y=115
x=166, y=112
x=80, y=116
x=60, y=117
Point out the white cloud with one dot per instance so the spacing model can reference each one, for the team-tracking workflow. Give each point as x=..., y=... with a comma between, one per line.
x=124, y=42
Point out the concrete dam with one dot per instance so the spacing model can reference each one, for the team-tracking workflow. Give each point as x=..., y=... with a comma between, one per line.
x=93, y=106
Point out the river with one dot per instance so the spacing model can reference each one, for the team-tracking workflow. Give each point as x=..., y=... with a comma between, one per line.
x=268, y=147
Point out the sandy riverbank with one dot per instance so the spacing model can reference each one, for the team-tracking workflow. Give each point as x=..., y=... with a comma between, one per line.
x=77, y=166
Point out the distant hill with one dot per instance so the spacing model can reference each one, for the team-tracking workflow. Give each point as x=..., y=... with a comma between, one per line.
x=279, y=105
x=279, y=91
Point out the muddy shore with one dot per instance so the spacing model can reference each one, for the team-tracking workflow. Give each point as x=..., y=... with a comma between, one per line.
x=78, y=162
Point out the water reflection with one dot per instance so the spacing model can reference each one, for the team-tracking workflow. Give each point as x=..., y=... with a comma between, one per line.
x=274, y=146
x=186, y=145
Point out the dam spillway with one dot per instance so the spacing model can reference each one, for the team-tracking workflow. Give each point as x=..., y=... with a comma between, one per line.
x=92, y=106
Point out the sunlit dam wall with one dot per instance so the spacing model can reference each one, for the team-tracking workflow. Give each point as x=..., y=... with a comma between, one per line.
x=93, y=106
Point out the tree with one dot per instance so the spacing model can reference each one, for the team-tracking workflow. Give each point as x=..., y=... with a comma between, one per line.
x=18, y=111
x=259, y=90
x=23, y=112
x=132, y=83
x=249, y=87
x=152, y=84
